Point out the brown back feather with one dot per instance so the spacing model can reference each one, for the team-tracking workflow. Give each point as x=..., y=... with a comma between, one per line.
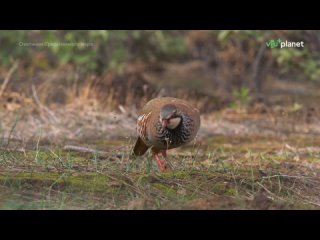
x=140, y=147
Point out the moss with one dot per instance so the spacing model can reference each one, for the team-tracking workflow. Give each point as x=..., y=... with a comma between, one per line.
x=276, y=157
x=147, y=178
x=177, y=174
x=88, y=182
x=219, y=187
x=312, y=158
x=16, y=204
x=42, y=157
x=30, y=175
x=231, y=191
x=75, y=158
x=164, y=188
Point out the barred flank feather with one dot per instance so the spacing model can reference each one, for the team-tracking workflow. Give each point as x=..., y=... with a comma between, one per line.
x=142, y=126
x=153, y=135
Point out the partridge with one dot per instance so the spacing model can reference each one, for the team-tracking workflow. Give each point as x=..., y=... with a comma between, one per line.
x=165, y=123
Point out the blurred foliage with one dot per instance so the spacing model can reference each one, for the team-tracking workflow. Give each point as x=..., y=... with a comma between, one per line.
x=296, y=107
x=104, y=50
x=295, y=60
x=241, y=97
x=95, y=50
x=299, y=61
x=10, y=50
x=257, y=35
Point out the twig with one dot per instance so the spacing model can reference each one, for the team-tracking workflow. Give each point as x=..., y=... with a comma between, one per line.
x=8, y=77
x=268, y=191
x=83, y=149
x=41, y=106
x=122, y=109
x=91, y=150
x=288, y=176
x=306, y=200
x=314, y=203
x=14, y=150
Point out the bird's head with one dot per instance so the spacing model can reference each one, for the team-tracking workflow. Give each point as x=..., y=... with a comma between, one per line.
x=170, y=116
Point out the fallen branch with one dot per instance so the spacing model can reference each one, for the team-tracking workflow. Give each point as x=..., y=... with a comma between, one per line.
x=8, y=77
x=122, y=109
x=84, y=149
x=13, y=150
x=91, y=150
x=288, y=176
x=268, y=191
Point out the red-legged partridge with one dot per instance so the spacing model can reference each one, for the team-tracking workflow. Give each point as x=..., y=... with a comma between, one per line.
x=165, y=123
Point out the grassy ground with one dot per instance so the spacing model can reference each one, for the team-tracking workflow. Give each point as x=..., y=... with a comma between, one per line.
x=221, y=172
x=265, y=158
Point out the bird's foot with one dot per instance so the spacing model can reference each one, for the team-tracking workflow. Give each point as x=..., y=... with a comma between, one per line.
x=161, y=163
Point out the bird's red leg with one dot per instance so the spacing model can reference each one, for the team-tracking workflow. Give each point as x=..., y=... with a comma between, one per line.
x=164, y=154
x=161, y=163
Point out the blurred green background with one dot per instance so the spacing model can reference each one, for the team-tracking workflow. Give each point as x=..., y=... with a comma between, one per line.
x=234, y=66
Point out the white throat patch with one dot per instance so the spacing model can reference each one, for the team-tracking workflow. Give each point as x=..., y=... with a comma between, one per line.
x=174, y=122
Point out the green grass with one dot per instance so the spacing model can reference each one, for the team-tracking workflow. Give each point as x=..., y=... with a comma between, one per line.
x=202, y=178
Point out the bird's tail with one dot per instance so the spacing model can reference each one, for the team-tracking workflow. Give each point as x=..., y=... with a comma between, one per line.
x=140, y=147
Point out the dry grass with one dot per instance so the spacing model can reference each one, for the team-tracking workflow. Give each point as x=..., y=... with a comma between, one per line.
x=234, y=164
x=49, y=178
x=259, y=157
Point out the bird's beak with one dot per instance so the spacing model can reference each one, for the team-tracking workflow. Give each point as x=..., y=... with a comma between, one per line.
x=164, y=123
